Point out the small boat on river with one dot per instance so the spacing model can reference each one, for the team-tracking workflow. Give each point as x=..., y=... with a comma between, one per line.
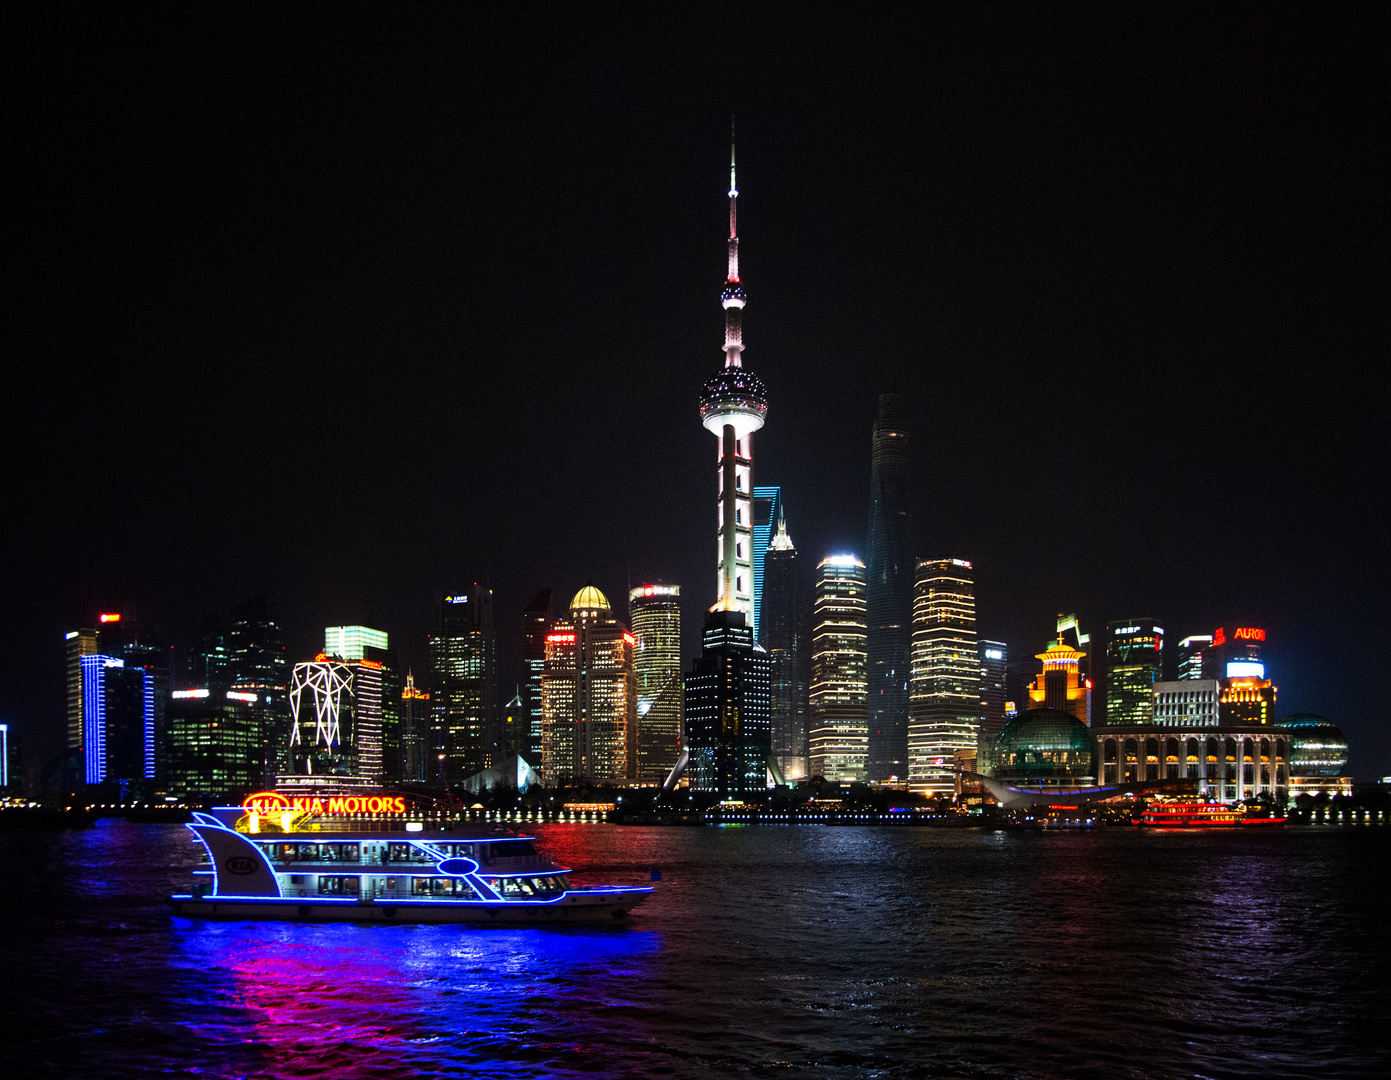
x=302, y=866
x=1196, y=813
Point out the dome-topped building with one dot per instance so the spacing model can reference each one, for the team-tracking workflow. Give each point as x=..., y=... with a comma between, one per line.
x=1044, y=746
x=1318, y=756
x=590, y=599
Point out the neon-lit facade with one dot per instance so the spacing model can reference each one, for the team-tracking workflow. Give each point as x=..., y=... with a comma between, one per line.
x=733, y=405
x=839, y=739
x=944, y=698
x=1061, y=684
x=336, y=718
x=118, y=722
x=767, y=509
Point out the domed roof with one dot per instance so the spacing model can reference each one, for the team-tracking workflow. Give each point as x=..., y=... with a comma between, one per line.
x=1044, y=744
x=1317, y=747
x=589, y=599
x=734, y=389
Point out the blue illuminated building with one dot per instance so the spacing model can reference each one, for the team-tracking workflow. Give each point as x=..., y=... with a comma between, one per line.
x=118, y=723
x=767, y=508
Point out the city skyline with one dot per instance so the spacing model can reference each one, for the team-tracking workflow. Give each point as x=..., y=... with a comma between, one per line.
x=208, y=355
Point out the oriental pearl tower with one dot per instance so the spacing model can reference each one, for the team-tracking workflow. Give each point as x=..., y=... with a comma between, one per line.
x=732, y=406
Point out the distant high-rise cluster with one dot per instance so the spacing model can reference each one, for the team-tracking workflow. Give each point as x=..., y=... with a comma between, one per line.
x=842, y=671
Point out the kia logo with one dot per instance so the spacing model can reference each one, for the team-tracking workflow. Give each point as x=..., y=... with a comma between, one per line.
x=241, y=864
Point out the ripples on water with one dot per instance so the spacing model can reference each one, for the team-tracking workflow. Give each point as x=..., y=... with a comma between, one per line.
x=766, y=951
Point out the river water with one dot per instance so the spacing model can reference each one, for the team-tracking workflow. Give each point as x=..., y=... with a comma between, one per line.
x=775, y=951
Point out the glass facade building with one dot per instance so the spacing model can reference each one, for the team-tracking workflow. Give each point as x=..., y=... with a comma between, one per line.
x=655, y=612
x=889, y=596
x=767, y=509
x=1134, y=663
x=944, y=691
x=536, y=624
x=214, y=743
x=784, y=639
x=1193, y=662
x=839, y=737
x=729, y=709
x=462, y=654
x=994, y=690
x=336, y=718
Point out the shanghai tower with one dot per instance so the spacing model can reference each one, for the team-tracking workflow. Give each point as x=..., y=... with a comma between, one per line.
x=889, y=597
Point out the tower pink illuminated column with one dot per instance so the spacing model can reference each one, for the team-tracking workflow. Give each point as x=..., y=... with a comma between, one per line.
x=732, y=406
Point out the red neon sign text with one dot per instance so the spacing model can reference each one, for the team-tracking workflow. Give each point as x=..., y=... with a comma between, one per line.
x=560, y=637
x=110, y=618
x=270, y=802
x=1248, y=633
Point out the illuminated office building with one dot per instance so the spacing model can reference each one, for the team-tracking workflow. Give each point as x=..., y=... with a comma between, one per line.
x=512, y=730
x=1193, y=658
x=944, y=698
x=767, y=509
x=655, y=611
x=785, y=643
x=839, y=738
x=355, y=643
x=589, y=696
x=733, y=405
x=536, y=624
x=889, y=595
x=1134, y=663
x=728, y=709
x=462, y=655
x=77, y=644
x=4, y=756
x=1246, y=700
x=118, y=722
x=1060, y=684
x=336, y=718
x=257, y=665
x=350, y=642
x=1187, y=703
x=214, y=743
x=994, y=691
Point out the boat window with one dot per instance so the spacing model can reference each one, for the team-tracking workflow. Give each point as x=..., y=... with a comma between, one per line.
x=339, y=886
x=406, y=853
x=458, y=888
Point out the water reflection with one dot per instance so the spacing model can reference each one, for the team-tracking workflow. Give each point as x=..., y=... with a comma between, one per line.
x=388, y=1001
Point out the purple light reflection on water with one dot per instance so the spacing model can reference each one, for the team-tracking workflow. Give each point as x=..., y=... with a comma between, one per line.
x=403, y=1001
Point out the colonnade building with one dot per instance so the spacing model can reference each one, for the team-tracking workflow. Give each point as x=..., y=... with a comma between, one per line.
x=1230, y=763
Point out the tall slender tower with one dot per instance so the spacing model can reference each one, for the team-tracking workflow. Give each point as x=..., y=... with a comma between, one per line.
x=889, y=595
x=732, y=406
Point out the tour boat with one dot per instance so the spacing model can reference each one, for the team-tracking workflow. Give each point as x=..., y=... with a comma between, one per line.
x=383, y=868
x=1198, y=814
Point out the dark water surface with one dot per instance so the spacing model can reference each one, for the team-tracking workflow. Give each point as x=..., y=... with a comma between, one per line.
x=766, y=951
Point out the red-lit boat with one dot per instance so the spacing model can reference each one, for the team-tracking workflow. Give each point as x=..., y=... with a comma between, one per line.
x=1199, y=814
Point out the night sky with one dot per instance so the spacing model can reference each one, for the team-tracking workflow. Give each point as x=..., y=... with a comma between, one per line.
x=356, y=304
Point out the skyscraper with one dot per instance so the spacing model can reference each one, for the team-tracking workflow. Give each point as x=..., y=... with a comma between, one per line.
x=994, y=690
x=1134, y=663
x=462, y=660
x=1193, y=662
x=839, y=737
x=733, y=405
x=944, y=692
x=784, y=641
x=214, y=743
x=728, y=712
x=536, y=624
x=416, y=742
x=589, y=696
x=77, y=644
x=767, y=508
x=256, y=665
x=889, y=595
x=118, y=722
x=655, y=611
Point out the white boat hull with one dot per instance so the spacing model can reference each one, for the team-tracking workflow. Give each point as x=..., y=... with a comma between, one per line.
x=600, y=906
